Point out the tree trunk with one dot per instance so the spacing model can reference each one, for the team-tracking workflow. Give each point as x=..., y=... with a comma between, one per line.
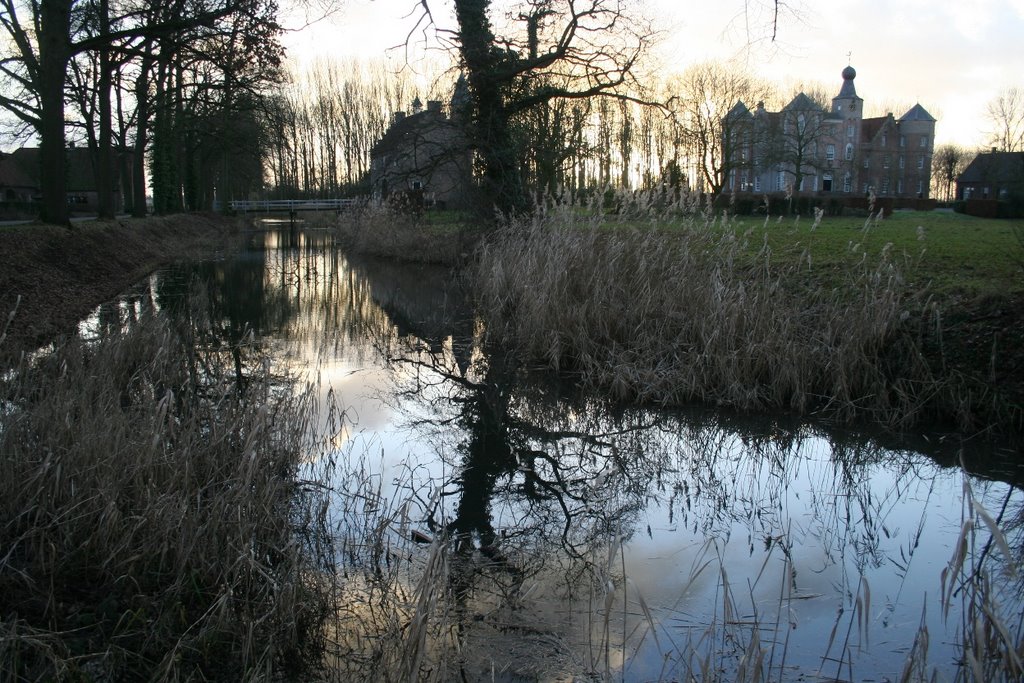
x=104, y=158
x=139, y=156
x=502, y=181
x=54, y=55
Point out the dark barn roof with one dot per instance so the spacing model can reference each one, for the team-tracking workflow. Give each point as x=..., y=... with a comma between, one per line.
x=1007, y=167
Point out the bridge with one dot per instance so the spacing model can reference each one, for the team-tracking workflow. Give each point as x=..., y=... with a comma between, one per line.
x=288, y=205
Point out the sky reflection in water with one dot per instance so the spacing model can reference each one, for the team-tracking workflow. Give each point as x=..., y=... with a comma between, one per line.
x=591, y=538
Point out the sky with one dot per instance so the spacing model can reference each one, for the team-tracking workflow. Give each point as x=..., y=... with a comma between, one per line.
x=951, y=56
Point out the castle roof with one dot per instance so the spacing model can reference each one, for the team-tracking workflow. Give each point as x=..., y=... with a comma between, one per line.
x=869, y=128
x=738, y=110
x=409, y=129
x=803, y=103
x=848, y=89
x=917, y=113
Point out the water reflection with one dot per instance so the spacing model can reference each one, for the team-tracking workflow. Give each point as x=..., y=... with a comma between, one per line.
x=576, y=537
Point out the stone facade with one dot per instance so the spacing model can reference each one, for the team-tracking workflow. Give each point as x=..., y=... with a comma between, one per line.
x=808, y=149
x=423, y=155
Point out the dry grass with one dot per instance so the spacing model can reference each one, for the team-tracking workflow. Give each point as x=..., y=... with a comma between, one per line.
x=151, y=523
x=655, y=311
x=382, y=230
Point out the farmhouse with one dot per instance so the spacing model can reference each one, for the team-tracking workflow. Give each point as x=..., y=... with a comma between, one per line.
x=993, y=175
x=807, y=148
x=19, y=178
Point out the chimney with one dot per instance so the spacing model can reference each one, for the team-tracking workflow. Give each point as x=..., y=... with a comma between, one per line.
x=397, y=117
x=434, y=106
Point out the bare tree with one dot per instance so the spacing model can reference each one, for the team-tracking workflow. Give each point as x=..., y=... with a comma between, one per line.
x=1005, y=115
x=42, y=37
x=546, y=50
x=714, y=130
x=948, y=162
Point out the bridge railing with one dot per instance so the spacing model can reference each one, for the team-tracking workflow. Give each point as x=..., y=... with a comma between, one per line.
x=289, y=205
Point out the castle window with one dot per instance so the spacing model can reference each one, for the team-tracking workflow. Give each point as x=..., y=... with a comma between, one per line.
x=826, y=182
x=830, y=152
x=847, y=182
x=899, y=187
x=920, y=188
x=867, y=162
x=924, y=142
x=920, y=161
x=903, y=141
x=757, y=183
x=849, y=130
x=901, y=161
x=885, y=139
x=849, y=151
x=885, y=186
x=885, y=161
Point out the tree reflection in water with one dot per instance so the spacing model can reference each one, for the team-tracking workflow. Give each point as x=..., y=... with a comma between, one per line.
x=810, y=547
x=567, y=536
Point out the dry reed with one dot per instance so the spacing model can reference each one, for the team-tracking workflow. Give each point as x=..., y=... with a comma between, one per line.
x=669, y=306
x=151, y=523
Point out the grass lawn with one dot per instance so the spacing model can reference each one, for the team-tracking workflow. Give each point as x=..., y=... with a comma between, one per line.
x=949, y=255
x=953, y=255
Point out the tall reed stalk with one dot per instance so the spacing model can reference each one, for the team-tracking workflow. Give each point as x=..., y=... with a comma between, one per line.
x=151, y=523
x=681, y=309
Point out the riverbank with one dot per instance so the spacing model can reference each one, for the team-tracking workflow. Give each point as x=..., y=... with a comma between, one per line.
x=52, y=277
x=682, y=309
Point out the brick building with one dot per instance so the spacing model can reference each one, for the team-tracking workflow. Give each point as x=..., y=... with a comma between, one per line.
x=811, y=149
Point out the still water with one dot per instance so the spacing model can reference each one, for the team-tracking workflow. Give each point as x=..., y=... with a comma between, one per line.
x=588, y=540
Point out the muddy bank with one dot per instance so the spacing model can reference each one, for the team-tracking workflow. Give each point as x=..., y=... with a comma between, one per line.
x=52, y=277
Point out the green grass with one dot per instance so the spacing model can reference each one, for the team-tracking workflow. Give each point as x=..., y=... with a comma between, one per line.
x=948, y=254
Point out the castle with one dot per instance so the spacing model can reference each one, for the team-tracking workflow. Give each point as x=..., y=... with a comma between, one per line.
x=807, y=149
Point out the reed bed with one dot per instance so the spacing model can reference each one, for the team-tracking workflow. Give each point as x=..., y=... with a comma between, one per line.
x=152, y=526
x=674, y=305
x=391, y=232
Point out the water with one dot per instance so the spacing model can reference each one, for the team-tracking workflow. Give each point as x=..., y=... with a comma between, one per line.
x=590, y=539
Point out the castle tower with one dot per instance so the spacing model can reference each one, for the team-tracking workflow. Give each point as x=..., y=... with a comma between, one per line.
x=848, y=108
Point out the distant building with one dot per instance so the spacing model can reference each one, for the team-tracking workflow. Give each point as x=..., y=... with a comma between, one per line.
x=992, y=175
x=424, y=154
x=810, y=149
x=19, y=177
